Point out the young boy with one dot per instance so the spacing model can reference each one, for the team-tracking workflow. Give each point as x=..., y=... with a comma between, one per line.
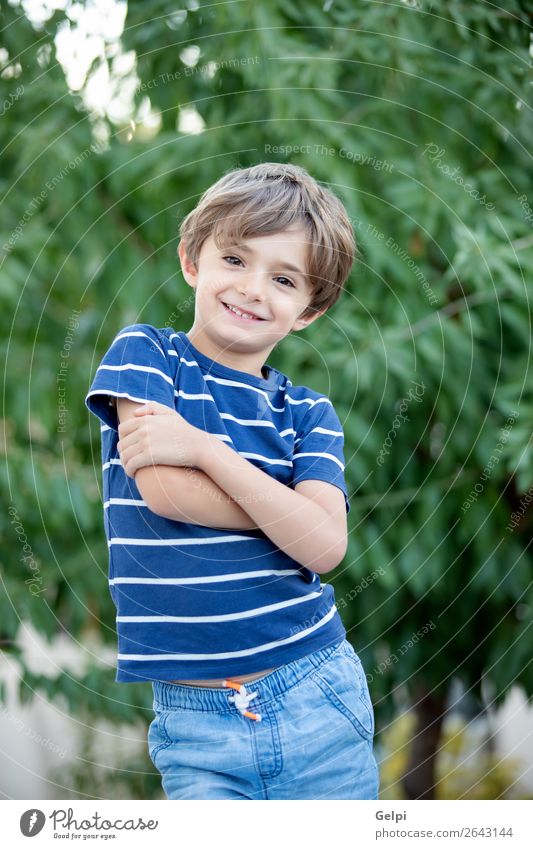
x=224, y=502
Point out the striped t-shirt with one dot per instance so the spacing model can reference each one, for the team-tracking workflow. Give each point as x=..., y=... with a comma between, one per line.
x=192, y=601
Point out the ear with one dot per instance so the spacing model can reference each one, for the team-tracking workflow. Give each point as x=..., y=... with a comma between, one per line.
x=301, y=323
x=188, y=268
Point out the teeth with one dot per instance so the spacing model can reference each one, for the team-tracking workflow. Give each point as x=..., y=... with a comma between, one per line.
x=243, y=314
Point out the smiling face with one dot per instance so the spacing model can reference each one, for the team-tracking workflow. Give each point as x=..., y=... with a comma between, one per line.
x=265, y=279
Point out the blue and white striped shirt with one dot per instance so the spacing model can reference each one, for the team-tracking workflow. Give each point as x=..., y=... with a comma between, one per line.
x=195, y=602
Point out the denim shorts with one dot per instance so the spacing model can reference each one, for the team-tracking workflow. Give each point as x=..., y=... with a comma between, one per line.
x=313, y=740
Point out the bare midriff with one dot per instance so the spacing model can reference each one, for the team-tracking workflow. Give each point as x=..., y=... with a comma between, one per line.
x=219, y=682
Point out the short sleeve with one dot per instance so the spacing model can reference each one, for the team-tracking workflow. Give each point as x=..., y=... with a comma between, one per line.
x=135, y=366
x=319, y=448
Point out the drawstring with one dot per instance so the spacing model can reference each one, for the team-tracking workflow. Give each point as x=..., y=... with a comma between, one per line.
x=242, y=699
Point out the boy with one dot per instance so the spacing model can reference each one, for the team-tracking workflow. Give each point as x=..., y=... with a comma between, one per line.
x=225, y=501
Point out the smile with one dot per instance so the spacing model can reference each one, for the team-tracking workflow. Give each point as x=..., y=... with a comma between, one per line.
x=239, y=314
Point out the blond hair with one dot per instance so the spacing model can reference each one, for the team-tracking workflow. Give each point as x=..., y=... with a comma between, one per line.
x=269, y=198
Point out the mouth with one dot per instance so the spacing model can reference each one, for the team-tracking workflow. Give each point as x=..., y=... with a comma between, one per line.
x=245, y=317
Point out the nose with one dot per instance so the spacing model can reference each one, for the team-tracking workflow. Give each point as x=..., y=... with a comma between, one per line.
x=251, y=285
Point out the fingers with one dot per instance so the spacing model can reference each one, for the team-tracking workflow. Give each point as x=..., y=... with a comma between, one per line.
x=129, y=426
x=127, y=441
x=132, y=462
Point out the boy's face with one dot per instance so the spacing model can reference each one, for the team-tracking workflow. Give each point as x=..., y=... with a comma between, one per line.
x=254, y=277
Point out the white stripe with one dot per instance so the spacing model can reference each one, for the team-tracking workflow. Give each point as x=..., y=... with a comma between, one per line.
x=287, y=431
x=196, y=396
x=127, y=502
x=134, y=367
x=122, y=395
x=183, y=541
x=248, y=422
x=319, y=430
x=268, y=460
x=223, y=617
x=105, y=427
x=111, y=463
x=243, y=653
x=318, y=454
x=208, y=579
x=225, y=382
x=309, y=401
x=223, y=437
x=174, y=353
x=139, y=333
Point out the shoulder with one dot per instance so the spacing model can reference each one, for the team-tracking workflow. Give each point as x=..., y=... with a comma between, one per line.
x=142, y=332
x=306, y=396
x=142, y=346
x=305, y=392
x=308, y=405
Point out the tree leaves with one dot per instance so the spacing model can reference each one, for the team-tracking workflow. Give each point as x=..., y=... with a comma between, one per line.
x=439, y=296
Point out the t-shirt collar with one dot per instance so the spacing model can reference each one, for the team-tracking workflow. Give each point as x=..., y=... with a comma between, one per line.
x=274, y=381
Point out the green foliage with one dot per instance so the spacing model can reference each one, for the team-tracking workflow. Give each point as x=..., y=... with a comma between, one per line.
x=398, y=108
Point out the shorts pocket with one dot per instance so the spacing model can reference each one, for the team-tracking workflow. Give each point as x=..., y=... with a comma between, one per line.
x=342, y=680
x=158, y=738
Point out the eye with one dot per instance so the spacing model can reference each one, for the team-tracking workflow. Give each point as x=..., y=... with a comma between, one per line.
x=229, y=257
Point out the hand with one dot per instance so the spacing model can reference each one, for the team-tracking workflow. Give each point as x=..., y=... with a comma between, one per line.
x=158, y=435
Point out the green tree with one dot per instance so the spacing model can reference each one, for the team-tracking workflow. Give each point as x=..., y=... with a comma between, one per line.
x=418, y=115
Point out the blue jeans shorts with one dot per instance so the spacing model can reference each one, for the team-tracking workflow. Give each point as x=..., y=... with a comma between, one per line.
x=313, y=739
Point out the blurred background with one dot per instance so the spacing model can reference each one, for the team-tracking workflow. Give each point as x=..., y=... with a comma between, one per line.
x=115, y=118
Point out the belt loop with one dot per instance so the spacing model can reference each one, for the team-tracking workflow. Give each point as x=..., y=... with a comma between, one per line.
x=242, y=699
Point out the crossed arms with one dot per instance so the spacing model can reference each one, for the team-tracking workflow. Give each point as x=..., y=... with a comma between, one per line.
x=308, y=522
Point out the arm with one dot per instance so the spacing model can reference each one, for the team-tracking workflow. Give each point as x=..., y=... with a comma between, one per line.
x=183, y=493
x=311, y=528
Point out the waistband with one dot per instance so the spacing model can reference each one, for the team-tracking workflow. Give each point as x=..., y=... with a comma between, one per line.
x=268, y=687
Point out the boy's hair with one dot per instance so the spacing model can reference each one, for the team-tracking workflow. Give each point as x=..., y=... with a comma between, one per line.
x=269, y=198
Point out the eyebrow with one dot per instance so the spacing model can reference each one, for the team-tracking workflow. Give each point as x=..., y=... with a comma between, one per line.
x=278, y=264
